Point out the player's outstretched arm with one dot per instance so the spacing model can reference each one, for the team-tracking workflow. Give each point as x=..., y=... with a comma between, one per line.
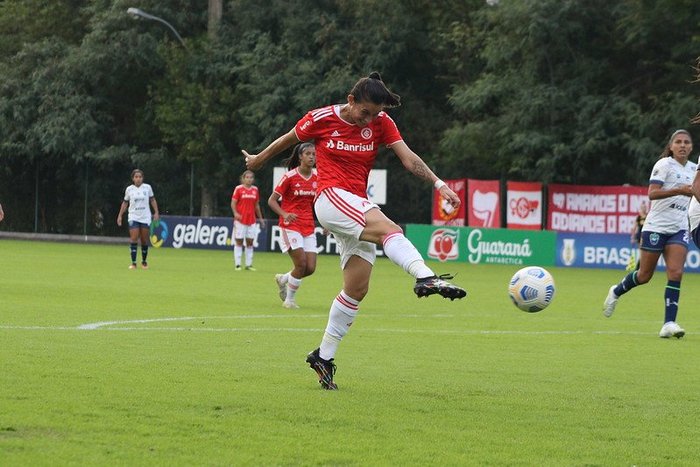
x=256, y=161
x=419, y=168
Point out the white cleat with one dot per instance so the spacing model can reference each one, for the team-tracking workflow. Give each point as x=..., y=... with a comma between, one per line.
x=610, y=302
x=671, y=329
x=290, y=304
x=282, y=286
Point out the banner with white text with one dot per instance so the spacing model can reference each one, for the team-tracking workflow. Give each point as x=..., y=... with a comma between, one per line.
x=608, y=251
x=216, y=233
x=483, y=246
x=594, y=209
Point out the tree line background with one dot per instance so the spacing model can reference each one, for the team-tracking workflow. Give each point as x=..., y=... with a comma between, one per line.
x=564, y=91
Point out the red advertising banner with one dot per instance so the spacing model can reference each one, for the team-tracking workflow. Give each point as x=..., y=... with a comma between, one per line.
x=524, y=206
x=443, y=212
x=484, y=208
x=594, y=209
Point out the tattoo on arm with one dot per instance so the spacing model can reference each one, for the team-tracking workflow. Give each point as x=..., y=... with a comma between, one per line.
x=420, y=169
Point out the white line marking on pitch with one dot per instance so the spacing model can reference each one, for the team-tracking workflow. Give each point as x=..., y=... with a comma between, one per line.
x=109, y=326
x=109, y=323
x=189, y=318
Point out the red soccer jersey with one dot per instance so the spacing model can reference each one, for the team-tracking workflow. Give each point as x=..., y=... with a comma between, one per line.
x=246, y=199
x=298, y=197
x=345, y=152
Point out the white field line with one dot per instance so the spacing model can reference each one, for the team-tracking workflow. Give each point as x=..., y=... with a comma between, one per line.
x=124, y=326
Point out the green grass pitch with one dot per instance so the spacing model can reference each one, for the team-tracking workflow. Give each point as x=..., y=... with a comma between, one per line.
x=191, y=363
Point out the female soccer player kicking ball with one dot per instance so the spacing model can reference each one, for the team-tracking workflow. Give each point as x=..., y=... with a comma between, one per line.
x=347, y=137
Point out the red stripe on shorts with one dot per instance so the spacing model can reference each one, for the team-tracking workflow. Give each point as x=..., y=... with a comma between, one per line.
x=343, y=206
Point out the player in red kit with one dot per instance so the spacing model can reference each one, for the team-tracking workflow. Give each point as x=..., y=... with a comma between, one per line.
x=297, y=190
x=347, y=138
x=245, y=204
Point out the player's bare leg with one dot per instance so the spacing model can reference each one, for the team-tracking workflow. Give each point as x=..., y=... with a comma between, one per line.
x=384, y=232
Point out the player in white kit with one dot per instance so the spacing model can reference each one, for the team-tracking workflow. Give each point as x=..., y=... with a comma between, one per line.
x=347, y=138
x=140, y=199
x=665, y=230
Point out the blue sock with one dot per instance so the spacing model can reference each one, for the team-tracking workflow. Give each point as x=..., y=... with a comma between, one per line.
x=144, y=252
x=627, y=284
x=672, y=294
x=132, y=247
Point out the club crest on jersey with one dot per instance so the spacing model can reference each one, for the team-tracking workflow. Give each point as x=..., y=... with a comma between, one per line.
x=366, y=133
x=343, y=146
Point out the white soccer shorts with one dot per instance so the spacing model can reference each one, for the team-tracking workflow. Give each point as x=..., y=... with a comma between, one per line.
x=343, y=214
x=241, y=231
x=292, y=240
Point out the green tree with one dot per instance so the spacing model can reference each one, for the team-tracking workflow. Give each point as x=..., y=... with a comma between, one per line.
x=569, y=91
x=27, y=21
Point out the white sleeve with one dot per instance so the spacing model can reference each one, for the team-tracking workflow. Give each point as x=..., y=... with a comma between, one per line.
x=659, y=172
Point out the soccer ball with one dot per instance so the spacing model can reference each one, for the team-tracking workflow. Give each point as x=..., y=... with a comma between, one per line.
x=531, y=289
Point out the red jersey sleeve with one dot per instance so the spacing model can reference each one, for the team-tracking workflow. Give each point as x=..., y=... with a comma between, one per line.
x=310, y=126
x=282, y=186
x=236, y=194
x=390, y=132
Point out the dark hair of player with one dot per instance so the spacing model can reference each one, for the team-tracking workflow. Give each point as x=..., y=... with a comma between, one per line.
x=372, y=89
x=293, y=161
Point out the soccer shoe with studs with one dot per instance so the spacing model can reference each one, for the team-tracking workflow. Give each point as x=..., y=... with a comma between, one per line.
x=290, y=304
x=250, y=268
x=325, y=369
x=438, y=285
x=238, y=268
x=132, y=266
x=281, y=286
x=144, y=265
x=610, y=302
x=671, y=329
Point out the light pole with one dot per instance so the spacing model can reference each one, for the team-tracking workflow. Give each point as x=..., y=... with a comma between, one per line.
x=137, y=13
